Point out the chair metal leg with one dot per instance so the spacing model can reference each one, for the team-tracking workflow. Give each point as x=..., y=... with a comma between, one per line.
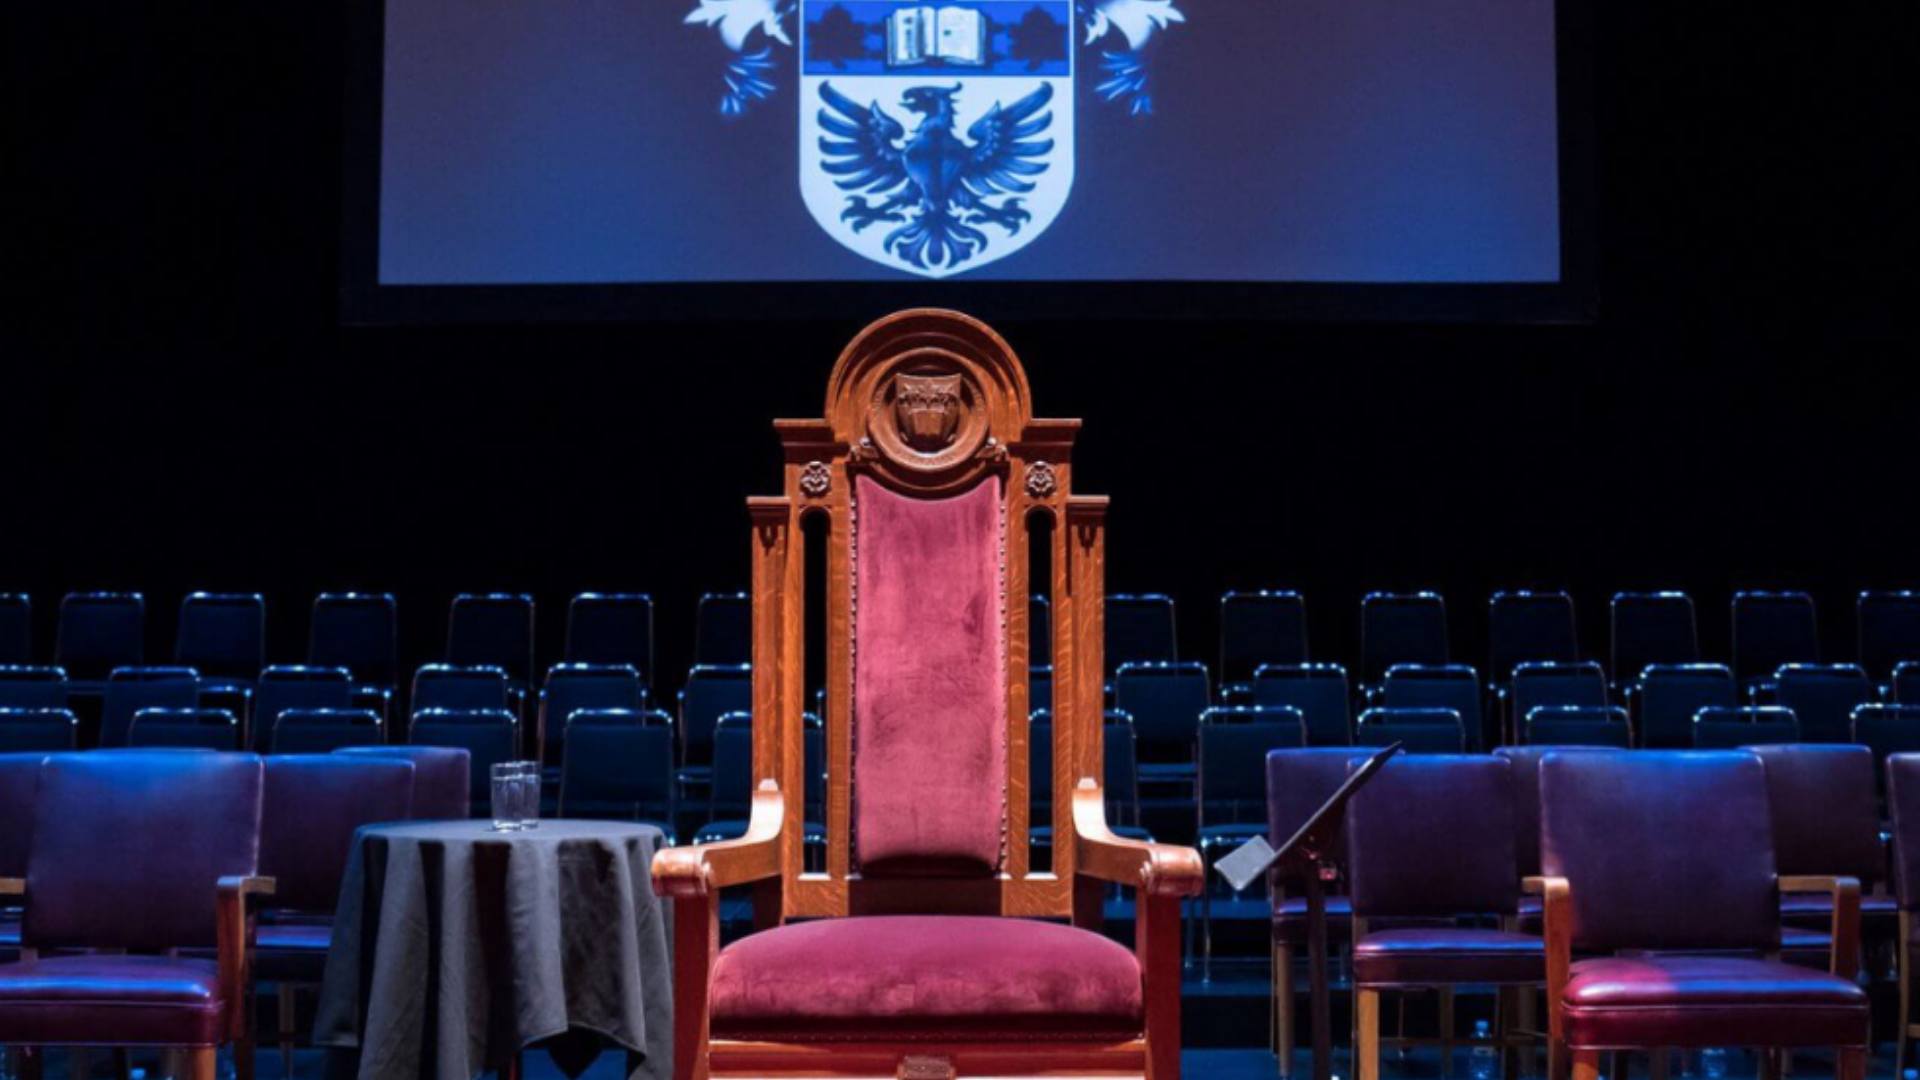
x=1366, y=1016
x=1446, y=1031
x=289, y=1012
x=203, y=1063
x=1206, y=934
x=1903, y=1020
x=1285, y=1015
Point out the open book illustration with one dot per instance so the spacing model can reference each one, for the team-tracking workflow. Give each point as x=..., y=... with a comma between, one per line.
x=952, y=35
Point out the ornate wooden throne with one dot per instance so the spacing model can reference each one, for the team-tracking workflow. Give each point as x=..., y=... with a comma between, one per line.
x=927, y=950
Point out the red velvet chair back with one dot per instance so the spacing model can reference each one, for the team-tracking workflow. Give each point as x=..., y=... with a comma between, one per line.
x=128, y=847
x=1665, y=850
x=1433, y=836
x=313, y=805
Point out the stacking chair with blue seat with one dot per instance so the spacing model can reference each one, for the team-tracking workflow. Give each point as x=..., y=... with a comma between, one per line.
x=1770, y=631
x=1578, y=725
x=1039, y=690
x=361, y=633
x=26, y=686
x=1649, y=628
x=38, y=730
x=612, y=628
x=1668, y=695
x=466, y=689
x=312, y=806
x=1420, y=731
x=489, y=736
x=1040, y=631
x=1258, y=629
x=283, y=687
x=1889, y=631
x=1166, y=701
x=1425, y=812
x=573, y=687
x=1558, y=684
x=712, y=691
x=132, y=689
x=1906, y=682
x=730, y=799
x=1401, y=628
x=493, y=630
x=99, y=632
x=1119, y=772
x=1318, y=690
x=223, y=636
x=1231, y=792
x=1887, y=730
x=1823, y=697
x=1529, y=628
x=322, y=731
x=1719, y=727
x=184, y=729
x=181, y=832
x=16, y=629
x=723, y=629
x=1440, y=686
x=1140, y=630
x=618, y=763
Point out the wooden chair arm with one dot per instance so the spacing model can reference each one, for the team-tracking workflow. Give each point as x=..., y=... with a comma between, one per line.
x=1846, y=917
x=1155, y=869
x=706, y=869
x=1557, y=912
x=13, y=886
x=234, y=930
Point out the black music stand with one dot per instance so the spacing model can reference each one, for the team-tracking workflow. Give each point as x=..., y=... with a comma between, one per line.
x=1308, y=860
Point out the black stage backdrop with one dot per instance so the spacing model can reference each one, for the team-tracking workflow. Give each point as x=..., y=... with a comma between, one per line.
x=181, y=408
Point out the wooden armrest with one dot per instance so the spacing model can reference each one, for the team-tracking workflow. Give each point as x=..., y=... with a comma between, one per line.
x=1557, y=912
x=235, y=938
x=13, y=886
x=1154, y=869
x=708, y=868
x=1845, y=891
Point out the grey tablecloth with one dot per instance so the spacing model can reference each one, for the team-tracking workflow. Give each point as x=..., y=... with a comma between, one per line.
x=455, y=946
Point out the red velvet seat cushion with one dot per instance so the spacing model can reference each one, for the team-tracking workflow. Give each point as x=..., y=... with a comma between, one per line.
x=112, y=1001
x=1710, y=1001
x=886, y=978
x=1436, y=957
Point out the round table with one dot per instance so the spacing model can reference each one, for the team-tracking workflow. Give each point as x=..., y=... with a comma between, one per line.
x=455, y=947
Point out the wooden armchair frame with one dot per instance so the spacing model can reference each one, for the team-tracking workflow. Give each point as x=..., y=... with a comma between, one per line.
x=993, y=435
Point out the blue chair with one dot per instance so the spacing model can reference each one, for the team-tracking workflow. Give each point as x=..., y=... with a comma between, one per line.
x=1770, y=631
x=322, y=731
x=573, y=687
x=1040, y=632
x=361, y=633
x=1577, y=725
x=1668, y=696
x=493, y=630
x=1529, y=627
x=1166, y=701
x=184, y=729
x=1401, y=628
x=1540, y=684
x=723, y=630
x=450, y=686
x=1258, y=629
x=1889, y=624
x=1120, y=781
x=712, y=691
x=16, y=629
x=223, y=636
x=489, y=736
x=24, y=686
x=618, y=763
x=1649, y=628
x=1231, y=794
x=1422, y=731
x=284, y=687
x=1440, y=686
x=1140, y=630
x=611, y=628
x=131, y=689
x=730, y=799
x=1039, y=690
x=99, y=632
x=1319, y=691
x=1720, y=727
x=38, y=730
x=1823, y=698
x=1906, y=683
x=1887, y=730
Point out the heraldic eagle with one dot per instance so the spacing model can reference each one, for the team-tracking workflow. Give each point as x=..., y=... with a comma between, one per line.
x=935, y=183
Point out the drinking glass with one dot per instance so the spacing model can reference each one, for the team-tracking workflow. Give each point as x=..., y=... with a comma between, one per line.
x=507, y=796
x=529, y=785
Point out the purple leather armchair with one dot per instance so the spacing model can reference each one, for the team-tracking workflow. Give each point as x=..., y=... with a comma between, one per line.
x=1826, y=821
x=1432, y=837
x=19, y=782
x=1903, y=804
x=181, y=830
x=1677, y=903
x=441, y=783
x=314, y=804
